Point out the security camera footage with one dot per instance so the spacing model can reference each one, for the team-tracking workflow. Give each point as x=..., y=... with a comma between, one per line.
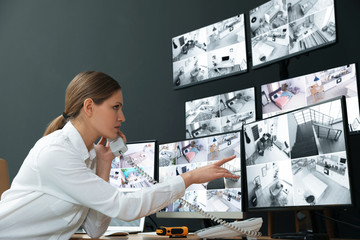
x=298, y=159
x=209, y=53
x=283, y=28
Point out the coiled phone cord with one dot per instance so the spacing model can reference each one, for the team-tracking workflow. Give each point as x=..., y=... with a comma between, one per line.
x=142, y=172
x=197, y=209
x=220, y=221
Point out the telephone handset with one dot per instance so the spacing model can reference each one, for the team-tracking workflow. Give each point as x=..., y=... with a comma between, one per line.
x=118, y=147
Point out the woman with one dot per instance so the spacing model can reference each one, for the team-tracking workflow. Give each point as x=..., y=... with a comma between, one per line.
x=63, y=182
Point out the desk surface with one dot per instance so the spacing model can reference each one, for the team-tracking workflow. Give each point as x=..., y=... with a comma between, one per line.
x=151, y=236
x=143, y=236
x=139, y=236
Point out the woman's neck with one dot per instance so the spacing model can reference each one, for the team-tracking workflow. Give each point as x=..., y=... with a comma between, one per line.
x=85, y=132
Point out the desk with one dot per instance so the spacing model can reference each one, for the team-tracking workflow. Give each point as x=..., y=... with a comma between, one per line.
x=139, y=236
x=225, y=64
x=314, y=186
x=316, y=89
x=262, y=52
x=144, y=236
x=237, y=150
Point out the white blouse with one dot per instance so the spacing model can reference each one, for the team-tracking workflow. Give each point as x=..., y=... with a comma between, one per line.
x=56, y=191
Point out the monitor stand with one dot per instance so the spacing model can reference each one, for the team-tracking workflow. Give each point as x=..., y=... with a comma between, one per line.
x=305, y=227
x=304, y=221
x=308, y=223
x=207, y=223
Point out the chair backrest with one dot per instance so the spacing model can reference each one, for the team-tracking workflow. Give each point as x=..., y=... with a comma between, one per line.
x=4, y=176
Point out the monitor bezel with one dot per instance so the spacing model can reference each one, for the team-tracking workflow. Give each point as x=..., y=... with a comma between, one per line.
x=195, y=215
x=304, y=207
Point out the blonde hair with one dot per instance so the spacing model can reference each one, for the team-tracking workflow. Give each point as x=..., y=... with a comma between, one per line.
x=91, y=84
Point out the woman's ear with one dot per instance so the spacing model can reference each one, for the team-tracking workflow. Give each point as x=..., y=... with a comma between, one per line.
x=88, y=107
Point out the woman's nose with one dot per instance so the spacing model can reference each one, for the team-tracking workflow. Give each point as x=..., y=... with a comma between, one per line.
x=121, y=116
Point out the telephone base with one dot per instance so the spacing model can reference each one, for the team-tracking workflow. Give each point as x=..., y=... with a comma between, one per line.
x=219, y=231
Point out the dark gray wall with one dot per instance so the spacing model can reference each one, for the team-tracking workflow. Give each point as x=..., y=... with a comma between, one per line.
x=45, y=43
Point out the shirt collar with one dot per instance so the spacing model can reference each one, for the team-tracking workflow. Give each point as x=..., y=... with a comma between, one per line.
x=77, y=141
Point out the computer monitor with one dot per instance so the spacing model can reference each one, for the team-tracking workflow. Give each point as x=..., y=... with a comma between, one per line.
x=218, y=114
x=293, y=93
x=208, y=53
x=299, y=159
x=222, y=197
x=124, y=176
x=284, y=28
x=127, y=179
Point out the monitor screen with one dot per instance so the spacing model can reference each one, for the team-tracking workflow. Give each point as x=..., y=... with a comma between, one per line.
x=221, y=197
x=283, y=28
x=124, y=176
x=220, y=113
x=298, y=159
x=209, y=53
x=290, y=94
x=127, y=179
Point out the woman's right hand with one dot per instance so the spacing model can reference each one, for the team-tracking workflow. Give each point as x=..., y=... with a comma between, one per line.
x=208, y=173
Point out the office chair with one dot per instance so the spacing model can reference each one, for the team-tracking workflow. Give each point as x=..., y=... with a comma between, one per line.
x=310, y=199
x=4, y=176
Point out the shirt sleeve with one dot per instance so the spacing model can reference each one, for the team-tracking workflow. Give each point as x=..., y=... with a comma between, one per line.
x=65, y=175
x=96, y=223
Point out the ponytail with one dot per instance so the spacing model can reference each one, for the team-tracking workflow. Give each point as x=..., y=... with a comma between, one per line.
x=56, y=124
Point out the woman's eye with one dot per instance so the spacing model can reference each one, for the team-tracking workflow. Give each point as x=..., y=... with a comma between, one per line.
x=116, y=107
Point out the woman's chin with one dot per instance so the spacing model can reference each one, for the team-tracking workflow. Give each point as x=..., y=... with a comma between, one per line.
x=111, y=136
x=114, y=136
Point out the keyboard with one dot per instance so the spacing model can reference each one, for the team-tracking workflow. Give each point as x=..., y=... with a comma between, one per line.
x=219, y=231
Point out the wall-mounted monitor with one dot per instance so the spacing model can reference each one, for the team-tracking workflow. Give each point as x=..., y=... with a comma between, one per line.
x=220, y=197
x=219, y=114
x=290, y=94
x=283, y=28
x=209, y=53
x=298, y=159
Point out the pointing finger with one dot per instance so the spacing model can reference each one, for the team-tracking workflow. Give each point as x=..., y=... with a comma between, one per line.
x=224, y=160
